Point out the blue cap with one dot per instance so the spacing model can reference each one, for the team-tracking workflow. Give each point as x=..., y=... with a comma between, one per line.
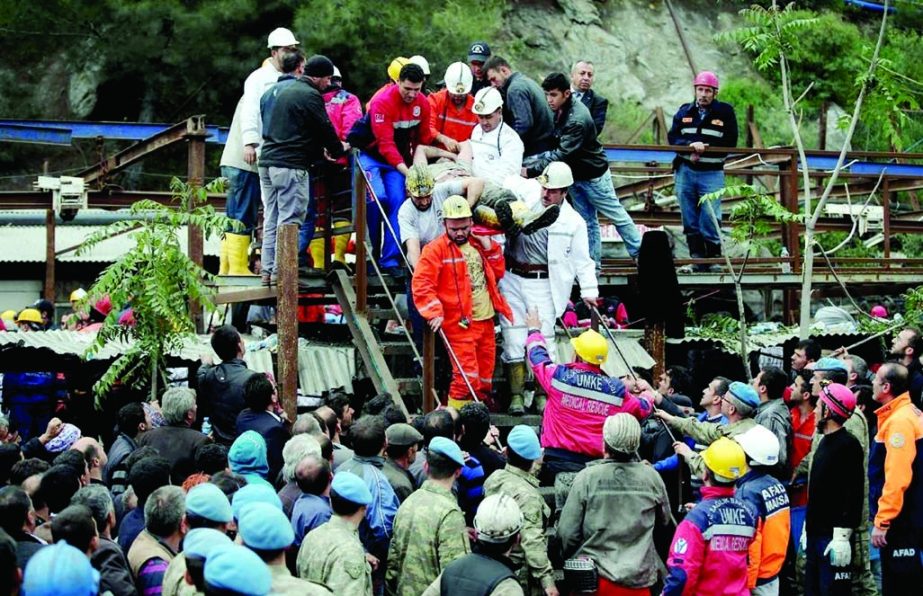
x=60, y=570
x=351, y=487
x=828, y=363
x=234, y=567
x=447, y=448
x=208, y=501
x=745, y=393
x=524, y=442
x=263, y=527
x=200, y=542
x=254, y=493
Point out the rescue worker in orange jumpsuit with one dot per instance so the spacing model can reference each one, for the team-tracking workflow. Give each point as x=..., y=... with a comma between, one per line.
x=451, y=116
x=455, y=289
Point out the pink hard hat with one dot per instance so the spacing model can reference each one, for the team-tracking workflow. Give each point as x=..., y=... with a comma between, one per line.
x=879, y=311
x=706, y=78
x=839, y=398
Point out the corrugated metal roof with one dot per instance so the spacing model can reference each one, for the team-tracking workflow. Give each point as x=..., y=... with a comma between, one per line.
x=26, y=244
x=321, y=367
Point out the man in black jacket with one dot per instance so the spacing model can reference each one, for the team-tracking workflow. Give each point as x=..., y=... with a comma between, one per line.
x=700, y=124
x=578, y=147
x=524, y=107
x=298, y=135
x=260, y=416
x=581, y=79
x=221, y=387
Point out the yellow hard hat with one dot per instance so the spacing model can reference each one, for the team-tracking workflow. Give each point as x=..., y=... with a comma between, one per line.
x=78, y=295
x=726, y=460
x=419, y=181
x=394, y=69
x=455, y=207
x=29, y=315
x=591, y=347
x=8, y=315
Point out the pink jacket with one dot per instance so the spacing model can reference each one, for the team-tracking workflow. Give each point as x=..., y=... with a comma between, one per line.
x=344, y=109
x=580, y=398
x=709, y=550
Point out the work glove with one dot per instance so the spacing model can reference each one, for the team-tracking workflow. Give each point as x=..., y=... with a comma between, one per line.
x=839, y=548
x=803, y=540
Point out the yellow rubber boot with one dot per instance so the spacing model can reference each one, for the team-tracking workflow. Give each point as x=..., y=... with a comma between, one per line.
x=316, y=248
x=516, y=375
x=223, y=257
x=238, y=254
x=340, y=242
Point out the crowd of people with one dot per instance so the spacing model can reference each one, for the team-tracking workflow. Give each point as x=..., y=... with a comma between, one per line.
x=488, y=190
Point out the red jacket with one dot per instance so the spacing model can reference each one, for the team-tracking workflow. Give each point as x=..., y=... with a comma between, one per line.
x=344, y=109
x=446, y=119
x=442, y=288
x=399, y=127
x=801, y=445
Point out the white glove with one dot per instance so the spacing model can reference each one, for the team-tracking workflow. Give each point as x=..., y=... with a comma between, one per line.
x=839, y=548
x=803, y=540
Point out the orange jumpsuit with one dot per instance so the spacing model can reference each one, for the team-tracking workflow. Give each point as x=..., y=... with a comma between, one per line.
x=446, y=119
x=442, y=288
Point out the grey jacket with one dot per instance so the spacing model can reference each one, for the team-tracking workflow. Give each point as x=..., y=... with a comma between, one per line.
x=525, y=109
x=775, y=416
x=620, y=540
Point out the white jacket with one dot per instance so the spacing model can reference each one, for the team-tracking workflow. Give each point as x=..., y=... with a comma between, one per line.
x=259, y=81
x=233, y=153
x=568, y=246
x=497, y=154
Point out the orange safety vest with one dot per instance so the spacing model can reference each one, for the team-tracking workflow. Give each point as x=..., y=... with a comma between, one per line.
x=446, y=119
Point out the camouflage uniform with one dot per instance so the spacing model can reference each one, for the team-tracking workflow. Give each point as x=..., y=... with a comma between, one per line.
x=174, y=580
x=535, y=573
x=429, y=533
x=863, y=582
x=707, y=433
x=284, y=584
x=331, y=554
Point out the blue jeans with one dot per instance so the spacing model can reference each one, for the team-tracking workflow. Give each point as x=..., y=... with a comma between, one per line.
x=243, y=200
x=820, y=577
x=388, y=185
x=598, y=195
x=691, y=185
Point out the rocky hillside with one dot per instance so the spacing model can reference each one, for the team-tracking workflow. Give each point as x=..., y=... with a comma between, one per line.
x=639, y=58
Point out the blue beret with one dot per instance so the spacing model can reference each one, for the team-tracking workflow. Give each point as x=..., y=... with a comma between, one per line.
x=60, y=570
x=263, y=527
x=206, y=500
x=745, y=393
x=234, y=567
x=447, y=448
x=524, y=442
x=351, y=487
x=200, y=542
x=254, y=493
x=826, y=364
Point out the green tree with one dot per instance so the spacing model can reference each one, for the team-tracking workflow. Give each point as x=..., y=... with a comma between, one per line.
x=159, y=281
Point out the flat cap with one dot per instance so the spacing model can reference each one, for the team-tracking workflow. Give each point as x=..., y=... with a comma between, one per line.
x=403, y=435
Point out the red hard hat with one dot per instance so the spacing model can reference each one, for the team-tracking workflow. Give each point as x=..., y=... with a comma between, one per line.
x=706, y=78
x=838, y=398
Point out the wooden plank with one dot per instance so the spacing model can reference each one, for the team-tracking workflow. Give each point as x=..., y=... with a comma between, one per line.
x=196, y=179
x=287, y=317
x=365, y=340
x=250, y=295
x=359, y=221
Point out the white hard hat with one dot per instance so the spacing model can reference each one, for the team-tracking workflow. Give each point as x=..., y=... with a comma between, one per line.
x=487, y=101
x=498, y=519
x=760, y=444
x=336, y=73
x=458, y=78
x=421, y=62
x=557, y=174
x=280, y=38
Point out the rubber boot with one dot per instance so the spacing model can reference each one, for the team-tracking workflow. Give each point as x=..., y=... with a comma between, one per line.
x=340, y=242
x=532, y=221
x=516, y=375
x=713, y=251
x=223, y=258
x=696, y=251
x=316, y=249
x=238, y=254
